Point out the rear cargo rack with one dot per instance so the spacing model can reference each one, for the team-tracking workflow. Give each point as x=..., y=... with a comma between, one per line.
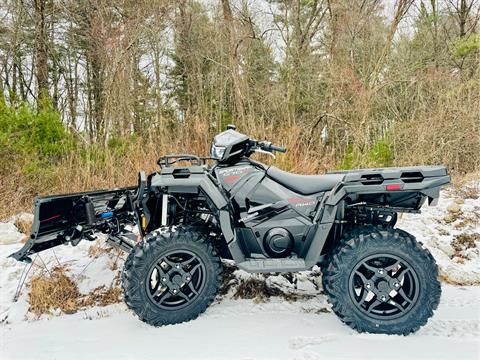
x=372, y=179
x=411, y=177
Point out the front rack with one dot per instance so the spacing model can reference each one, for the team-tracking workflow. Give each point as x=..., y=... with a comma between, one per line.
x=169, y=160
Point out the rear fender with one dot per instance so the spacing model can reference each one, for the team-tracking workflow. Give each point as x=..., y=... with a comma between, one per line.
x=424, y=181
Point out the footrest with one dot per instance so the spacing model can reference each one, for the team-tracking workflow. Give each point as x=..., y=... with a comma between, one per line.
x=273, y=265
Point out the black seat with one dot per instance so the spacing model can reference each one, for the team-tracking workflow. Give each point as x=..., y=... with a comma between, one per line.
x=304, y=184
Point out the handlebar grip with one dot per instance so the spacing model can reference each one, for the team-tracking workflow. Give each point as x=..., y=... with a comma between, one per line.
x=278, y=148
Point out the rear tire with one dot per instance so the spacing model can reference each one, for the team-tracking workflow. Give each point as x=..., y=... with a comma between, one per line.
x=382, y=281
x=171, y=277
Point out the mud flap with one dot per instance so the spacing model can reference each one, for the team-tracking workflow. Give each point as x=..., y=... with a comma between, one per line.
x=63, y=219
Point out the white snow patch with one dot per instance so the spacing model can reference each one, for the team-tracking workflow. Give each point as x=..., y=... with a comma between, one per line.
x=436, y=234
x=244, y=329
x=9, y=234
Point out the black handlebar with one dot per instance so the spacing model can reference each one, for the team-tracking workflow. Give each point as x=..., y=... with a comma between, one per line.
x=278, y=148
x=268, y=146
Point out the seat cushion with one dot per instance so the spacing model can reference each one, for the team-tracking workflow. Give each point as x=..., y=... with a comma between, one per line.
x=304, y=184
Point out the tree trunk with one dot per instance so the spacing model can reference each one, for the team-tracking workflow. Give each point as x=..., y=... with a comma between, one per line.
x=97, y=93
x=41, y=51
x=462, y=16
x=233, y=59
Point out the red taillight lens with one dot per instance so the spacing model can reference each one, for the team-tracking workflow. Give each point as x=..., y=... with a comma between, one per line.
x=394, y=187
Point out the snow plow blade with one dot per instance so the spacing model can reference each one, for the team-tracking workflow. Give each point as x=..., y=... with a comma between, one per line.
x=63, y=219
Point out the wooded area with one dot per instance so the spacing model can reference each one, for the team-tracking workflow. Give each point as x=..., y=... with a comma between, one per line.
x=91, y=91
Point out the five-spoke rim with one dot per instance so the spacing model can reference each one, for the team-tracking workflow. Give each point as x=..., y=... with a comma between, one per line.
x=384, y=286
x=176, y=279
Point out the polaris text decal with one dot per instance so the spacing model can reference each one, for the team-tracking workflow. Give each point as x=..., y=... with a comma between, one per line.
x=300, y=202
x=231, y=175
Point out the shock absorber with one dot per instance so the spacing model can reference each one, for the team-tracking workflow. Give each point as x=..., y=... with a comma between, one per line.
x=164, y=217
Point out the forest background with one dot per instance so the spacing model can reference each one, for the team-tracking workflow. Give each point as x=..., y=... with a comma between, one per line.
x=92, y=91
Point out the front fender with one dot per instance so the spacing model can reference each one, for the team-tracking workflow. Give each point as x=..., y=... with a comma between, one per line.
x=195, y=180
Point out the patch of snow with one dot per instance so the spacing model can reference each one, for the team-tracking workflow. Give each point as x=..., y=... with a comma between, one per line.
x=9, y=234
x=244, y=329
x=23, y=216
x=431, y=228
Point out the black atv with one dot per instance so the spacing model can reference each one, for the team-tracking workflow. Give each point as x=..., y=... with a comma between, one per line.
x=378, y=278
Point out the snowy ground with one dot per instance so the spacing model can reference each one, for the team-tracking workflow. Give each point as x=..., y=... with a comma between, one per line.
x=231, y=328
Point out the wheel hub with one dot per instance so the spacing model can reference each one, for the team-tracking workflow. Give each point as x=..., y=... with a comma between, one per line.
x=383, y=286
x=176, y=279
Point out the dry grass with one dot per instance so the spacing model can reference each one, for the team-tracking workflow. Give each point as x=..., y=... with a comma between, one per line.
x=24, y=225
x=445, y=277
x=112, y=168
x=467, y=186
x=253, y=288
x=228, y=279
x=259, y=290
x=102, y=296
x=107, y=168
x=56, y=290
x=452, y=217
x=469, y=221
x=53, y=290
x=465, y=241
x=99, y=248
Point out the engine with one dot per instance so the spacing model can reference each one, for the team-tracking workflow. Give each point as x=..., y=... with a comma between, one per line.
x=278, y=242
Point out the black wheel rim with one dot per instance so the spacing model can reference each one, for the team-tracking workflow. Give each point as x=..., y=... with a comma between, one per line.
x=176, y=279
x=384, y=286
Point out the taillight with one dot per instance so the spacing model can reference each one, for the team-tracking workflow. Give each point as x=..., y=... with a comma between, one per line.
x=394, y=187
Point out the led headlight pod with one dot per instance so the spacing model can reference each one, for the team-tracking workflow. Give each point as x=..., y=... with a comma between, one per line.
x=217, y=151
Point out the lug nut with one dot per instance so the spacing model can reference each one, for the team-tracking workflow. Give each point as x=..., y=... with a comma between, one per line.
x=174, y=291
x=396, y=284
x=368, y=286
x=164, y=279
x=177, y=266
x=380, y=271
x=383, y=298
x=188, y=278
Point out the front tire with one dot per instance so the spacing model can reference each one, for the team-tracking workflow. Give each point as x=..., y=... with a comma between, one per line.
x=171, y=277
x=382, y=281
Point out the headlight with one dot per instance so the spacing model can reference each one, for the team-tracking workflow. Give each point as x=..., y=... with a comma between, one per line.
x=217, y=152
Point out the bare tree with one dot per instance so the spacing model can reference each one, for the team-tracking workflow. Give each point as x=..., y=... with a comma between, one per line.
x=41, y=49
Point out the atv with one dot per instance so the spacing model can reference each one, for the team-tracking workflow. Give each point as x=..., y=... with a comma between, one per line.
x=179, y=222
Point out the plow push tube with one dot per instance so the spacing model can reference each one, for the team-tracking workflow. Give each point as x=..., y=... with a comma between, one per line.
x=69, y=218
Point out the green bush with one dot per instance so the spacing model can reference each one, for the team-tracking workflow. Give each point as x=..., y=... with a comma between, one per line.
x=121, y=146
x=380, y=154
x=465, y=46
x=38, y=134
x=349, y=159
x=34, y=139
